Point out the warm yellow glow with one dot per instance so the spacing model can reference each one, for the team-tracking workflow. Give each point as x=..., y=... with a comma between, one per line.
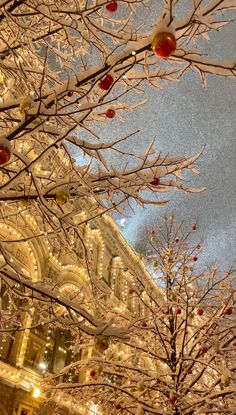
x=36, y=393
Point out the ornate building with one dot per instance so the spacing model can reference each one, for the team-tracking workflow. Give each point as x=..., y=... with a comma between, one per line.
x=26, y=356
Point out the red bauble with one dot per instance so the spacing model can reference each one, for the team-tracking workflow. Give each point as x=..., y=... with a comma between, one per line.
x=106, y=82
x=131, y=291
x=155, y=182
x=70, y=94
x=5, y=151
x=194, y=258
x=204, y=349
x=199, y=311
x=194, y=227
x=164, y=44
x=178, y=311
x=228, y=311
x=172, y=398
x=110, y=113
x=118, y=406
x=112, y=6
x=152, y=232
x=92, y=373
x=176, y=240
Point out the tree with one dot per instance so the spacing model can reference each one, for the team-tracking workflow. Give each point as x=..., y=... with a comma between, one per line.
x=180, y=356
x=66, y=68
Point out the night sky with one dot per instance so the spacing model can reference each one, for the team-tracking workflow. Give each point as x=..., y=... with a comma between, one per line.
x=185, y=117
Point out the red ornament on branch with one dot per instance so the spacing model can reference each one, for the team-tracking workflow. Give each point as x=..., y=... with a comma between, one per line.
x=106, y=82
x=194, y=258
x=199, y=311
x=92, y=373
x=118, y=406
x=178, y=311
x=164, y=44
x=203, y=349
x=5, y=151
x=228, y=311
x=172, y=398
x=70, y=94
x=155, y=182
x=194, y=227
x=110, y=113
x=112, y=6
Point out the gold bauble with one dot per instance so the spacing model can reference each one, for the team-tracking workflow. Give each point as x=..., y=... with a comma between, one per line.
x=101, y=343
x=62, y=197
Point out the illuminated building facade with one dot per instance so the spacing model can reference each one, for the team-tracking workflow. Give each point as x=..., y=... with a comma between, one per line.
x=27, y=355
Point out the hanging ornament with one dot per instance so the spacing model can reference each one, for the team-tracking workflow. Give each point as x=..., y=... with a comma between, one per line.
x=5, y=151
x=194, y=258
x=101, y=343
x=118, y=406
x=199, y=311
x=131, y=291
x=172, y=297
x=225, y=380
x=92, y=373
x=70, y=94
x=106, y=82
x=155, y=182
x=25, y=105
x=141, y=385
x=112, y=6
x=155, y=264
x=110, y=113
x=228, y=311
x=194, y=227
x=176, y=240
x=172, y=398
x=62, y=197
x=203, y=349
x=164, y=44
x=178, y=311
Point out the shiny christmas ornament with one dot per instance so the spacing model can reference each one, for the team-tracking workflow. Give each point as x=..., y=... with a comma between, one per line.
x=106, y=82
x=194, y=227
x=155, y=264
x=118, y=406
x=141, y=385
x=25, y=105
x=178, y=311
x=70, y=94
x=5, y=151
x=172, y=297
x=203, y=349
x=225, y=380
x=110, y=113
x=101, y=343
x=199, y=311
x=194, y=258
x=155, y=182
x=164, y=44
x=152, y=231
x=228, y=311
x=176, y=240
x=112, y=6
x=92, y=373
x=62, y=197
x=172, y=398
